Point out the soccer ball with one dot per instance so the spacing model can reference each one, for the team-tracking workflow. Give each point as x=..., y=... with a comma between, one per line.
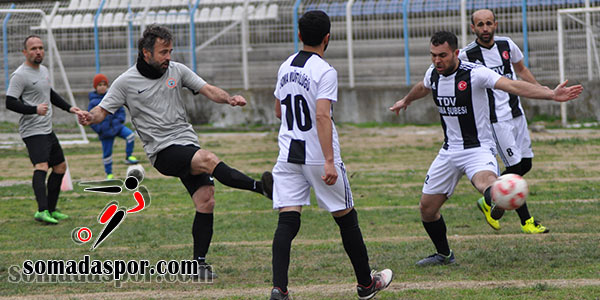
x=136, y=171
x=509, y=191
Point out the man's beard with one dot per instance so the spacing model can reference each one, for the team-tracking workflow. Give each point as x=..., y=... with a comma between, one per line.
x=158, y=67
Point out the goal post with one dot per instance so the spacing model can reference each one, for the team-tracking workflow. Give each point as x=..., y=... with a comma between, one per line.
x=54, y=57
x=577, y=31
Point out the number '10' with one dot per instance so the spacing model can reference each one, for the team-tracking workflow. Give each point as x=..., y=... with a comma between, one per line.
x=300, y=111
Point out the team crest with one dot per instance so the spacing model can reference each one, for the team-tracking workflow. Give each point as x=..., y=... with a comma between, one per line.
x=462, y=85
x=171, y=82
x=505, y=55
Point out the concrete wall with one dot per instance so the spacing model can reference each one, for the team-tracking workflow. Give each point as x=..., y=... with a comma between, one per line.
x=357, y=105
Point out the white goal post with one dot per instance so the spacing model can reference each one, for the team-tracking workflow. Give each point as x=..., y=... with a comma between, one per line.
x=593, y=61
x=53, y=50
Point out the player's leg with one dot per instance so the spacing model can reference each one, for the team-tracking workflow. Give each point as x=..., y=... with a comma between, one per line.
x=291, y=192
x=59, y=167
x=38, y=148
x=207, y=162
x=129, y=138
x=440, y=181
x=107, y=160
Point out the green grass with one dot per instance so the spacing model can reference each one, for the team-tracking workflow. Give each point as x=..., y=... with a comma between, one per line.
x=386, y=181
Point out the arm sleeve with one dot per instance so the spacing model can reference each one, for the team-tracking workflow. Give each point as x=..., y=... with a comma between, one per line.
x=190, y=79
x=485, y=77
x=17, y=106
x=57, y=100
x=515, y=53
x=115, y=97
x=426, y=79
x=328, y=87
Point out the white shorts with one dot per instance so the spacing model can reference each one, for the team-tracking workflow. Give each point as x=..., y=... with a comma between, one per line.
x=512, y=140
x=449, y=166
x=292, y=183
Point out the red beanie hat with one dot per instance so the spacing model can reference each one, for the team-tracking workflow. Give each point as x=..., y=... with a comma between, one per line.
x=99, y=78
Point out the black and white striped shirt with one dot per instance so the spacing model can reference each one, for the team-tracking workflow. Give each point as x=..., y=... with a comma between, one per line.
x=462, y=102
x=499, y=58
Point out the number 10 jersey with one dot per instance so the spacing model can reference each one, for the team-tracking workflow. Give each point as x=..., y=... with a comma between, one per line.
x=303, y=79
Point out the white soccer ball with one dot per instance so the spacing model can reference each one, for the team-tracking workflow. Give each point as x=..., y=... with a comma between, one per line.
x=136, y=171
x=509, y=191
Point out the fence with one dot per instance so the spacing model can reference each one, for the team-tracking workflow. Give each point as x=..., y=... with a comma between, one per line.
x=239, y=43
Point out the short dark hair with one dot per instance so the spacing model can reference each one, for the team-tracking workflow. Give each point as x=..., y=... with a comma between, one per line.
x=441, y=37
x=150, y=35
x=314, y=26
x=493, y=14
x=30, y=37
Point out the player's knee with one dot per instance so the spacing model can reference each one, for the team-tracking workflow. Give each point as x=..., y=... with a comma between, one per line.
x=41, y=166
x=428, y=211
x=205, y=161
x=60, y=168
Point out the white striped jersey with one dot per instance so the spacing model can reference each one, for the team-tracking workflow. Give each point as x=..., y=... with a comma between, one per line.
x=461, y=99
x=499, y=58
x=303, y=79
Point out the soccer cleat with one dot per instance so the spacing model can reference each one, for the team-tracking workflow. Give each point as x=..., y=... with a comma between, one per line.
x=486, y=210
x=131, y=160
x=110, y=176
x=58, y=215
x=267, y=183
x=277, y=294
x=437, y=259
x=380, y=281
x=532, y=226
x=44, y=216
x=205, y=272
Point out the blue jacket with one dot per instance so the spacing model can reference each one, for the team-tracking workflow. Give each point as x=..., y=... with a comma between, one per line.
x=112, y=124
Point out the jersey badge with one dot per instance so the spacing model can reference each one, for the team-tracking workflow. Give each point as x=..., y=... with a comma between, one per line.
x=171, y=82
x=462, y=85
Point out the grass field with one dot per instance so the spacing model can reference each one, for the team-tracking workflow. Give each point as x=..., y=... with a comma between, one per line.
x=386, y=167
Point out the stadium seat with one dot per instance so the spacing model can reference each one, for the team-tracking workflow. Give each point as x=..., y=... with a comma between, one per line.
x=94, y=4
x=119, y=19
x=202, y=15
x=157, y=3
x=142, y=3
x=368, y=7
x=84, y=4
x=337, y=9
x=226, y=14
x=416, y=6
x=323, y=7
x=111, y=4
x=395, y=7
x=88, y=20
x=453, y=5
x=436, y=5
x=381, y=7
x=310, y=7
x=238, y=12
x=260, y=13
x=77, y=19
x=57, y=21
x=161, y=17
x=73, y=5
x=480, y=4
x=357, y=8
x=172, y=15
x=123, y=4
x=100, y=20
x=107, y=21
x=67, y=20
x=272, y=11
x=215, y=14
x=183, y=16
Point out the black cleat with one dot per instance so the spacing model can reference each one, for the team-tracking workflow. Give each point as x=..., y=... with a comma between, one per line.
x=277, y=294
x=205, y=272
x=267, y=184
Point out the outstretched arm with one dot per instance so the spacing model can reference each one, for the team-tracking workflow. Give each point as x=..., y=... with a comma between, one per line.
x=218, y=95
x=94, y=116
x=417, y=92
x=561, y=93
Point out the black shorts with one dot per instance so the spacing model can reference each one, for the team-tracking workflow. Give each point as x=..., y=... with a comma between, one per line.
x=176, y=161
x=44, y=148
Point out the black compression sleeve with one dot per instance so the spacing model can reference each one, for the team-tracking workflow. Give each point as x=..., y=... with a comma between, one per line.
x=57, y=100
x=17, y=106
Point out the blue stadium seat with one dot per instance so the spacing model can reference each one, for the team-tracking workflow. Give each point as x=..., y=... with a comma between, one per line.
x=337, y=9
x=481, y=4
x=395, y=7
x=453, y=5
x=357, y=8
x=368, y=7
x=436, y=5
x=416, y=6
x=324, y=7
x=575, y=1
x=310, y=7
x=381, y=7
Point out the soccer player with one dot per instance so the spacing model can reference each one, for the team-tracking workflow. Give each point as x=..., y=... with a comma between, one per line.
x=151, y=90
x=509, y=125
x=29, y=93
x=459, y=91
x=309, y=156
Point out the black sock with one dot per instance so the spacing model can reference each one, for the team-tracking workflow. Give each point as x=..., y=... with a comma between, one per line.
x=523, y=213
x=487, y=195
x=236, y=179
x=39, y=189
x=202, y=230
x=437, y=233
x=54, y=182
x=355, y=247
x=287, y=228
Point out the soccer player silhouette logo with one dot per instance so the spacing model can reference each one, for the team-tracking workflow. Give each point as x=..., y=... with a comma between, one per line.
x=112, y=215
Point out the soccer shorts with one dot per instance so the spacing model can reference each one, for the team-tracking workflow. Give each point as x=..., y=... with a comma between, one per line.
x=44, y=148
x=512, y=140
x=449, y=166
x=292, y=183
x=176, y=161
